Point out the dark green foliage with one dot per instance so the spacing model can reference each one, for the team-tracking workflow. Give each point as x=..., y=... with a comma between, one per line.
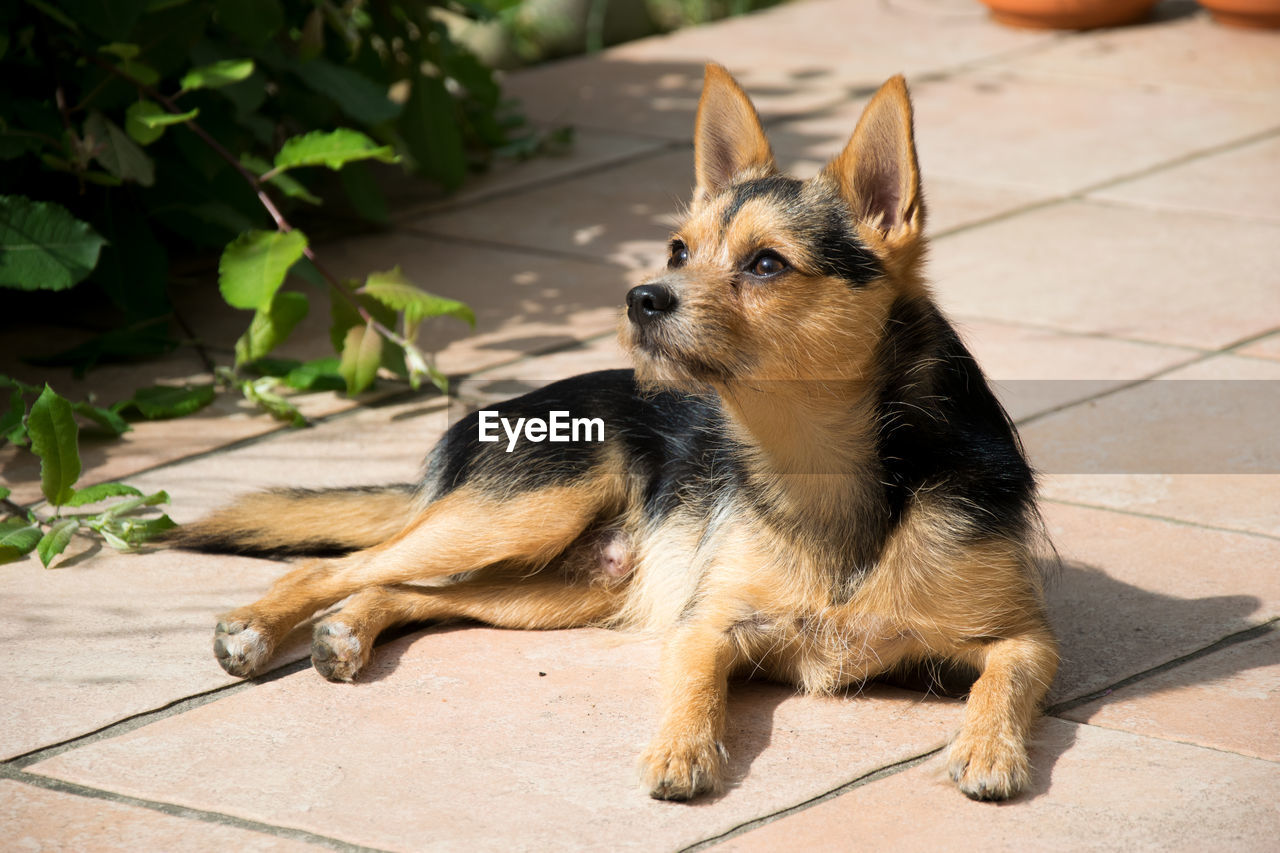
x=49, y=425
x=133, y=131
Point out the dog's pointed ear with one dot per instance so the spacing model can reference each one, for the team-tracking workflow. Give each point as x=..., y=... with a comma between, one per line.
x=877, y=172
x=728, y=138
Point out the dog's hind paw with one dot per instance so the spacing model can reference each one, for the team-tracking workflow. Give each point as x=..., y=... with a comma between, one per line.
x=240, y=649
x=336, y=651
x=988, y=766
x=682, y=770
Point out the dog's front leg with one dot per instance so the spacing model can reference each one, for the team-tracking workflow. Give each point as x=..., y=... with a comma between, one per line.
x=687, y=758
x=988, y=758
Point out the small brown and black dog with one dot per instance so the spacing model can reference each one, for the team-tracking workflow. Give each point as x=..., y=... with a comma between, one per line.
x=806, y=476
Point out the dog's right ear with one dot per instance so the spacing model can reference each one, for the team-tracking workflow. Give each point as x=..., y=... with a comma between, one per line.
x=728, y=139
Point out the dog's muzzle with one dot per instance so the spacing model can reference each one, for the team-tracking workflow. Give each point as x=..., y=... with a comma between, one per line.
x=650, y=302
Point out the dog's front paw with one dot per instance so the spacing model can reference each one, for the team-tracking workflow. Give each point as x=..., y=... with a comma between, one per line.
x=988, y=766
x=683, y=769
x=336, y=651
x=240, y=647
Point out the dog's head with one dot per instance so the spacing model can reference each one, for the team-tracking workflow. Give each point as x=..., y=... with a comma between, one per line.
x=772, y=278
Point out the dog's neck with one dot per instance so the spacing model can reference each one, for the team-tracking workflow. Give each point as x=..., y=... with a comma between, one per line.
x=812, y=444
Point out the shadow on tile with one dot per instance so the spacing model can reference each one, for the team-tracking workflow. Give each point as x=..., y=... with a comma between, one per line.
x=1110, y=630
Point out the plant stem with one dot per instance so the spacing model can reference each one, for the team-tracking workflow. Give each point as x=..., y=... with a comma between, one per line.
x=256, y=182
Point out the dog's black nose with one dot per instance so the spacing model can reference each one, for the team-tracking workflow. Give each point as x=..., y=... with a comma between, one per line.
x=649, y=302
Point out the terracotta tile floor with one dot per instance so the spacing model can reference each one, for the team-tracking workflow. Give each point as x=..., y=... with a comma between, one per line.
x=1107, y=237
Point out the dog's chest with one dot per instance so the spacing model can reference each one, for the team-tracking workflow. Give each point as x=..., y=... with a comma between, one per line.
x=823, y=651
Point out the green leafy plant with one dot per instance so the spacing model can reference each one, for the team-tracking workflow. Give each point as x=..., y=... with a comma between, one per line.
x=144, y=128
x=49, y=426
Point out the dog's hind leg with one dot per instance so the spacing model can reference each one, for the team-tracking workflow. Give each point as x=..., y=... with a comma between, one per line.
x=463, y=531
x=343, y=640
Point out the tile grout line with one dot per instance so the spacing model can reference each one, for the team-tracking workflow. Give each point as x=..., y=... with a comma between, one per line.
x=965, y=319
x=1056, y=711
x=1083, y=193
x=1218, y=749
x=1181, y=522
x=1241, y=636
x=146, y=718
x=865, y=779
x=1125, y=385
x=50, y=783
x=1175, y=207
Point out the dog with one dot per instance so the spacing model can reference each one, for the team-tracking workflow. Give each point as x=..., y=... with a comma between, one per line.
x=805, y=476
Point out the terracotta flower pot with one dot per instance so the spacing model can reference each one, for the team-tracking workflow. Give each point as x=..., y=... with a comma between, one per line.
x=1244, y=13
x=1069, y=14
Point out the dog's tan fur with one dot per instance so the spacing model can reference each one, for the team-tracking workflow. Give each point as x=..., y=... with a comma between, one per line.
x=749, y=585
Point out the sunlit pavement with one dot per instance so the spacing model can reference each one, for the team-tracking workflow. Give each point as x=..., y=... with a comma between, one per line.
x=1106, y=217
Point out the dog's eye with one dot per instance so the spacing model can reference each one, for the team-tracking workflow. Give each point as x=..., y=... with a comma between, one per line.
x=679, y=255
x=767, y=263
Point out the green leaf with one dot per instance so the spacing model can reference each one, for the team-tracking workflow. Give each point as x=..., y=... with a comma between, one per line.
x=145, y=121
x=261, y=394
x=105, y=418
x=44, y=247
x=356, y=95
x=117, y=153
x=17, y=539
x=10, y=382
x=159, y=401
x=121, y=50
x=138, y=130
x=212, y=76
x=140, y=71
x=55, y=13
x=307, y=271
x=17, y=435
x=54, y=438
x=129, y=343
x=4, y=492
x=112, y=19
x=432, y=132
x=363, y=193
x=269, y=328
x=361, y=355
x=319, y=375
x=113, y=539
x=343, y=315
x=160, y=497
x=287, y=184
x=56, y=540
x=438, y=379
x=139, y=531
x=331, y=148
x=253, y=21
x=11, y=418
x=254, y=265
x=101, y=491
x=392, y=289
x=277, y=367
x=311, y=38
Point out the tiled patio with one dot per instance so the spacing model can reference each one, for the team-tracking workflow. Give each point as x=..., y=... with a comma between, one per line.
x=1106, y=214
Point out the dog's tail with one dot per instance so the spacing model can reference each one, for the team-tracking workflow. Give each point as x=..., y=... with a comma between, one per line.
x=301, y=522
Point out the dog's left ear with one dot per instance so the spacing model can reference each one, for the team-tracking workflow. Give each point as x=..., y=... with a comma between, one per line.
x=877, y=171
x=728, y=140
